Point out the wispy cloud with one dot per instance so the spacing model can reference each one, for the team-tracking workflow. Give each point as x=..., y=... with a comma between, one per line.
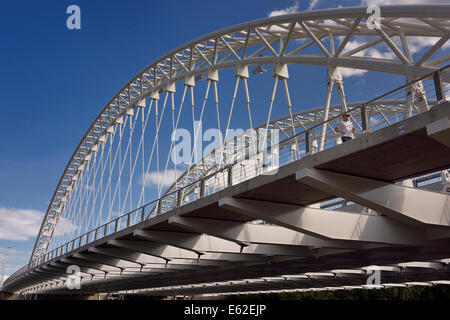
x=64, y=226
x=19, y=224
x=416, y=45
x=378, y=53
x=154, y=178
x=293, y=9
x=23, y=224
x=288, y=10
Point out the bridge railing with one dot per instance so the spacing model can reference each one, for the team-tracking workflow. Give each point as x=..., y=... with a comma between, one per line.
x=421, y=94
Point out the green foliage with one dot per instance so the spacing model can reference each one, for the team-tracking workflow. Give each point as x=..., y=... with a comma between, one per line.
x=438, y=293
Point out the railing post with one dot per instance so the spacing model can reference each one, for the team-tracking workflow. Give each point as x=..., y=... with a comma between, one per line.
x=159, y=206
x=202, y=188
x=235, y=150
x=87, y=237
x=128, y=219
x=178, y=198
x=95, y=234
x=308, y=142
x=116, y=225
x=438, y=86
x=143, y=214
x=364, y=118
x=79, y=241
x=230, y=176
x=105, y=231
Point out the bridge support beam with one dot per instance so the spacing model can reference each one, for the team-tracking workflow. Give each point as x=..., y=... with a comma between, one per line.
x=162, y=252
x=206, y=245
x=113, y=262
x=440, y=131
x=191, y=242
x=91, y=265
x=61, y=270
x=249, y=235
x=172, y=257
x=408, y=205
x=217, y=257
x=128, y=254
x=90, y=271
x=327, y=224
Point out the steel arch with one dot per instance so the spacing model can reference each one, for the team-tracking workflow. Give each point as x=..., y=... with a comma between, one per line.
x=220, y=50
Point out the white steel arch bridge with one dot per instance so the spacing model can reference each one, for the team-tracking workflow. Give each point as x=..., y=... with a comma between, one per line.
x=249, y=76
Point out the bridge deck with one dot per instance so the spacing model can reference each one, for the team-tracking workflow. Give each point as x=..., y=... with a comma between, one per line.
x=382, y=155
x=388, y=155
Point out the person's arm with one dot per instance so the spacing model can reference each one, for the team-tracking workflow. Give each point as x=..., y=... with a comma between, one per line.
x=337, y=130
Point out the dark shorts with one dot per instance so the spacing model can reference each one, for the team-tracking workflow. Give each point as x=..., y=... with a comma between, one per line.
x=345, y=139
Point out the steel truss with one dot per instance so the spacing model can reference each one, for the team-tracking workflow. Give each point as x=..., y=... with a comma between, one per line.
x=278, y=41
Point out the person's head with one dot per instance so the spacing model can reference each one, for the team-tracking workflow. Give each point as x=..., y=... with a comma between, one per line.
x=345, y=116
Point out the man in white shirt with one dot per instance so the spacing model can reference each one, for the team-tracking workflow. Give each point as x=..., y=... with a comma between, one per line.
x=345, y=128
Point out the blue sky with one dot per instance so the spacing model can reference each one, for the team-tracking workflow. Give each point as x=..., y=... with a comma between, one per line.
x=54, y=81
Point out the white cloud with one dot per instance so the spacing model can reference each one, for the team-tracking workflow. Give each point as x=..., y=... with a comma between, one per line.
x=417, y=44
x=64, y=226
x=372, y=52
x=19, y=224
x=23, y=224
x=292, y=9
x=349, y=72
x=153, y=178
